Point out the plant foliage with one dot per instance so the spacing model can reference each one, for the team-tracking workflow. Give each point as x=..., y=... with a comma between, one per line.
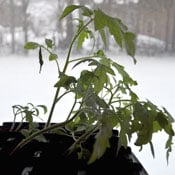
x=103, y=95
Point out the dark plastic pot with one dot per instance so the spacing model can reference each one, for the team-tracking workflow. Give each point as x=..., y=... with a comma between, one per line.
x=49, y=158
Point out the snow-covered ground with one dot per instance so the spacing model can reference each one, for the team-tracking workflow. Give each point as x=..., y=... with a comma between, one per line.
x=20, y=83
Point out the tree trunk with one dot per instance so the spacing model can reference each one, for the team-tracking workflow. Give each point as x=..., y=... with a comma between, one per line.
x=12, y=26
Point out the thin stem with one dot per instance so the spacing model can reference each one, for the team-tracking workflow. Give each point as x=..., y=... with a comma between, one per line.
x=53, y=107
x=71, y=45
x=44, y=130
x=73, y=106
x=64, y=70
x=83, y=137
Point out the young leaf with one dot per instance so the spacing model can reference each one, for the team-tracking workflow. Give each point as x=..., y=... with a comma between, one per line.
x=82, y=37
x=49, y=43
x=53, y=56
x=43, y=107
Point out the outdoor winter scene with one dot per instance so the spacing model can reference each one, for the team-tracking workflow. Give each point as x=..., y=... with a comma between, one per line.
x=26, y=79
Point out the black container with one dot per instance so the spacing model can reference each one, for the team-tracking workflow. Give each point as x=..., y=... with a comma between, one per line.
x=50, y=158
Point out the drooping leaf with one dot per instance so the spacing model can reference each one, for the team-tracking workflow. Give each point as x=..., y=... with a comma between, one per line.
x=168, y=146
x=43, y=107
x=68, y=10
x=146, y=118
x=164, y=122
x=41, y=62
x=103, y=36
x=101, y=140
x=152, y=148
x=129, y=39
x=101, y=20
x=126, y=77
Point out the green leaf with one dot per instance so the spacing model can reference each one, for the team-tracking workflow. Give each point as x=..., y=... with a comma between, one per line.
x=31, y=45
x=101, y=140
x=143, y=115
x=168, y=146
x=164, y=122
x=43, y=107
x=86, y=11
x=82, y=37
x=53, y=56
x=126, y=78
x=65, y=81
x=68, y=10
x=100, y=20
x=41, y=138
x=49, y=43
x=100, y=79
x=28, y=116
x=116, y=31
x=129, y=39
x=103, y=36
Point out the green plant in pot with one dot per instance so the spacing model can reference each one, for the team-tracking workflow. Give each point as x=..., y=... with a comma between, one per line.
x=103, y=101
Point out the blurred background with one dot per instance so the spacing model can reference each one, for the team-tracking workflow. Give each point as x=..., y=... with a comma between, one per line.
x=24, y=20
x=153, y=22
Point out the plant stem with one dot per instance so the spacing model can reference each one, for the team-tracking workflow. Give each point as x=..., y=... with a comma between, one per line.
x=72, y=42
x=53, y=107
x=44, y=130
x=64, y=70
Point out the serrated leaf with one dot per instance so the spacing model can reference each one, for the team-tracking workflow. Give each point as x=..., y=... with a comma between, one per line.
x=126, y=77
x=31, y=45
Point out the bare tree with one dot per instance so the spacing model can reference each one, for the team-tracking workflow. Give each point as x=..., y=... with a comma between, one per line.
x=12, y=25
x=25, y=4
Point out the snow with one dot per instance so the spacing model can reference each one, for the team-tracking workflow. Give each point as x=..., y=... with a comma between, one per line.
x=144, y=39
x=21, y=83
